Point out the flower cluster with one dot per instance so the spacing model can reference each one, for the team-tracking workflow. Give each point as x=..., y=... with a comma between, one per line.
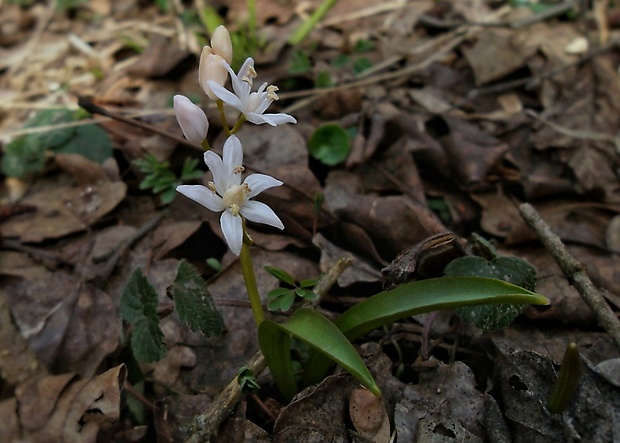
x=227, y=193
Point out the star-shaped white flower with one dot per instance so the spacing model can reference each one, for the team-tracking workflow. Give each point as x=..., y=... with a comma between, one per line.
x=226, y=193
x=251, y=104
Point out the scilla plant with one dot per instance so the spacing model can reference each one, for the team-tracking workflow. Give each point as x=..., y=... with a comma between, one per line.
x=232, y=196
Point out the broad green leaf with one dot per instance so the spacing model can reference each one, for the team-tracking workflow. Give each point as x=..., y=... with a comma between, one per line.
x=420, y=297
x=147, y=341
x=91, y=142
x=139, y=307
x=193, y=303
x=321, y=334
x=430, y=295
x=330, y=144
x=509, y=269
x=27, y=154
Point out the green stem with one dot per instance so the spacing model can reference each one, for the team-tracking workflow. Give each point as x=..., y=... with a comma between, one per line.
x=250, y=282
x=237, y=126
x=205, y=145
x=220, y=107
x=307, y=26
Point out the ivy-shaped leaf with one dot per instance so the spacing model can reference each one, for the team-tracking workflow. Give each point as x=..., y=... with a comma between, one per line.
x=193, y=303
x=509, y=269
x=139, y=308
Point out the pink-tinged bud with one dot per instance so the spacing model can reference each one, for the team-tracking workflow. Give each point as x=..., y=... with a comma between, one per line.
x=191, y=118
x=222, y=44
x=211, y=68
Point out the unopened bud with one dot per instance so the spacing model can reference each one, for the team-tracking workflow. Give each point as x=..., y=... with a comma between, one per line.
x=211, y=68
x=222, y=44
x=191, y=118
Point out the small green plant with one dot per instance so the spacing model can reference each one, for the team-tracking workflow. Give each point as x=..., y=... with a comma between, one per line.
x=232, y=196
x=509, y=269
x=300, y=63
x=192, y=303
x=330, y=144
x=283, y=298
x=247, y=381
x=161, y=179
x=28, y=153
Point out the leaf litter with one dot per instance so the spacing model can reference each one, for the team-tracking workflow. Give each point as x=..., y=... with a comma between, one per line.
x=457, y=112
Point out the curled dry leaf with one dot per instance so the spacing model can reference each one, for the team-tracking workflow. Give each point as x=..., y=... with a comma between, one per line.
x=63, y=408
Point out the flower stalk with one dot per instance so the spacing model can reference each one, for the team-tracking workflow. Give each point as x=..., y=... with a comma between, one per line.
x=250, y=281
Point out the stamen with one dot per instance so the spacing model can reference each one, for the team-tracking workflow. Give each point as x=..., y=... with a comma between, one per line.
x=234, y=209
x=271, y=93
x=212, y=187
x=249, y=76
x=238, y=169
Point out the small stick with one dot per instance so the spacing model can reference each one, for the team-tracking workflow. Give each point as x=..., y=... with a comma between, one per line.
x=204, y=426
x=574, y=271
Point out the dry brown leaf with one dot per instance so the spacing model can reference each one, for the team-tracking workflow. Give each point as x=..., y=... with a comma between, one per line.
x=72, y=326
x=368, y=415
x=63, y=209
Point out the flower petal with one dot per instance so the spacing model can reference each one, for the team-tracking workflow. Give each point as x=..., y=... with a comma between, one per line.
x=232, y=228
x=203, y=195
x=191, y=118
x=242, y=88
x=261, y=213
x=220, y=175
x=259, y=182
x=257, y=119
x=225, y=95
x=280, y=118
x=233, y=153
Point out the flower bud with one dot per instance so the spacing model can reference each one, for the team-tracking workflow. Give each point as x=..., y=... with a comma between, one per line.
x=191, y=118
x=211, y=68
x=222, y=44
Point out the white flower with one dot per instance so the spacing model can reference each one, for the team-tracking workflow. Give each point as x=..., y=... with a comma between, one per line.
x=211, y=58
x=191, y=118
x=251, y=104
x=226, y=193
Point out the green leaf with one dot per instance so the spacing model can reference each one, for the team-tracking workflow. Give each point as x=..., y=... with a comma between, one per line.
x=361, y=64
x=306, y=293
x=193, y=303
x=363, y=45
x=510, y=269
x=317, y=331
x=281, y=275
x=168, y=195
x=91, y=142
x=300, y=63
x=281, y=299
x=420, y=297
x=22, y=156
x=147, y=341
x=247, y=381
x=323, y=79
x=568, y=380
x=429, y=295
x=330, y=144
x=139, y=308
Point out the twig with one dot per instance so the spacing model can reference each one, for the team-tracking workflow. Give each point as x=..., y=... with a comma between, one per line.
x=574, y=271
x=88, y=105
x=205, y=425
